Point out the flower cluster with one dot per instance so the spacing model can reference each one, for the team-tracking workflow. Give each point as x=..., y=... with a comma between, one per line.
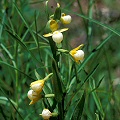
x=53, y=24
x=36, y=88
x=57, y=36
x=34, y=94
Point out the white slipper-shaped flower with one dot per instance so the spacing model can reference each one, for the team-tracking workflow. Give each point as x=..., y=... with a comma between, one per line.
x=57, y=35
x=77, y=54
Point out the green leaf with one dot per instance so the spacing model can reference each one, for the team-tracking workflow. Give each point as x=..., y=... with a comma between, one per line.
x=76, y=107
x=89, y=75
x=98, y=84
x=4, y=100
x=77, y=115
x=97, y=116
x=12, y=103
x=9, y=54
x=57, y=82
x=16, y=69
x=96, y=98
x=95, y=21
x=94, y=52
x=18, y=39
x=57, y=14
x=37, y=75
x=24, y=20
x=53, y=47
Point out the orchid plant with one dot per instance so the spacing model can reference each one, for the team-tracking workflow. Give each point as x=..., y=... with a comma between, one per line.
x=59, y=89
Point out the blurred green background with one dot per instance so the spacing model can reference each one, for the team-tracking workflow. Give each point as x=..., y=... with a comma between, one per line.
x=23, y=21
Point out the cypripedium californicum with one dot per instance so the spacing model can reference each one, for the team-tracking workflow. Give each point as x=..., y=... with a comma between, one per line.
x=57, y=36
x=46, y=114
x=65, y=19
x=77, y=54
x=37, y=86
x=33, y=96
x=53, y=25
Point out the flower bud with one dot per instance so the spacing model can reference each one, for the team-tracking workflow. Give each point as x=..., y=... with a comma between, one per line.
x=57, y=37
x=57, y=14
x=37, y=86
x=33, y=96
x=65, y=19
x=46, y=114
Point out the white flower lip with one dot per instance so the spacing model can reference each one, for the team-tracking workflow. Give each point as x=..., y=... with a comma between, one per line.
x=79, y=55
x=32, y=95
x=57, y=37
x=66, y=19
x=46, y=114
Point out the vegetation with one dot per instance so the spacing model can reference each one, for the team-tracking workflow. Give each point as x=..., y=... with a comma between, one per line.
x=79, y=74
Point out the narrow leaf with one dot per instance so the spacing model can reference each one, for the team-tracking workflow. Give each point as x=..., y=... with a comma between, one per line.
x=95, y=21
x=96, y=98
x=16, y=69
x=79, y=109
x=57, y=14
x=56, y=82
x=90, y=74
x=22, y=44
x=75, y=107
x=94, y=52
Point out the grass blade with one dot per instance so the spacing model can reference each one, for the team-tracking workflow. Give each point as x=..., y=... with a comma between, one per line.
x=77, y=115
x=22, y=44
x=74, y=106
x=96, y=98
x=16, y=69
x=12, y=104
x=95, y=21
x=93, y=52
x=89, y=75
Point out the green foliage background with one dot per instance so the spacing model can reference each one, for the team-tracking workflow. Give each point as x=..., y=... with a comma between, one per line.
x=92, y=88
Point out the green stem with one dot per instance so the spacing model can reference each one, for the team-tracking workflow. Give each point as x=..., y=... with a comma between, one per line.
x=14, y=59
x=37, y=41
x=77, y=80
x=16, y=72
x=89, y=31
x=48, y=76
x=60, y=110
x=56, y=73
x=81, y=11
x=49, y=95
x=54, y=114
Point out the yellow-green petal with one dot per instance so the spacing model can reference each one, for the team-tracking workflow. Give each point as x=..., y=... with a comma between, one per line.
x=48, y=35
x=62, y=30
x=79, y=47
x=53, y=25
